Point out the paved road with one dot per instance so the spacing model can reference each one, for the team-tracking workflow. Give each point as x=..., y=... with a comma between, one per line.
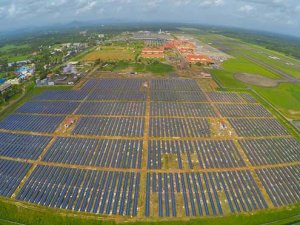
x=289, y=77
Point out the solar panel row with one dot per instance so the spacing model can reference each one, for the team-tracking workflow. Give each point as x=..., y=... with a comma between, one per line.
x=174, y=127
x=200, y=193
x=34, y=123
x=168, y=109
x=201, y=154
x=22, y=146
x=98, y=192
x=257, y=127
x=282, y=184
x=11, y=174
x=112, y=108
x=271, y=151
x=105, y=126
x=93, y=152
x=48, y=107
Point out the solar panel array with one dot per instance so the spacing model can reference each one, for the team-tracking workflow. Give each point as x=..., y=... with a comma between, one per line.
x=271, y=151
x=61, y=96
x=243, y=110
x=48, y=107
x=22, y=146
x=200, y=193
x=168, y=109
x=282, y=184
x=112, y=108
x=34, y=123
x=109, y=163
x=203, y=154
x=179, y=127
x=225, y=97
x=257, y=127
x=125, y=95
x=106, y=126
x=98, y=192
x=94, y=152
x=11, y=174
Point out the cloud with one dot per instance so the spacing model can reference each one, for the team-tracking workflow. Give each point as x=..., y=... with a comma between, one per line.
x=274, y=15
x=246, y=8
x=12, y=10
x=88, y=6
x=212, y=2
x=182, y=2
x=152, y=4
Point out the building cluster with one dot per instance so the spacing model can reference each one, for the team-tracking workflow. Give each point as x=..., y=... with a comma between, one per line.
x=186, y=48
x=19, y=63
x=25, y=72
x=156, y=52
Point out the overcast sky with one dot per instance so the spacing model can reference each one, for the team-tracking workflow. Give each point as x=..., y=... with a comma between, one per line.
x=281, y=16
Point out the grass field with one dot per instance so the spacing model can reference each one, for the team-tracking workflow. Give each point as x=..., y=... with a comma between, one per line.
x=278, y=64
x=10, y=47
x=285, y=97
x=31, y=91
x=111, y=53
x=155, y=67
x=11, y=52
x=159, y=68
x=35, y=215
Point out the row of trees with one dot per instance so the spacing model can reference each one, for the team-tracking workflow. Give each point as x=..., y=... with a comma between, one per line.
x=16, y=89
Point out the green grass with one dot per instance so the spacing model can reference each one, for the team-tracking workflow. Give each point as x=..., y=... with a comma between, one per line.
x=277, y=54
x=159, y=68
x=36, y=215
x=121, y=66
x=30, y=92
x=240, y=65
x=10, y=47
x=18, y=58
x=81, y=55
x=285, y=97
x=154, y=67
x=243, y=65
x=138, y=67
x=12, y=53
x=227, y=79
x=277, y=64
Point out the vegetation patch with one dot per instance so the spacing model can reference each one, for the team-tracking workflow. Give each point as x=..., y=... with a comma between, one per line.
x=28, y=214
x=113, y=53
x=159, y=68
x=285, y=97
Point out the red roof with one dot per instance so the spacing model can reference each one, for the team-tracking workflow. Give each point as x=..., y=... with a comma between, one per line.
x=69, y=121
x=147, y=55
x=199, y=58
x=153, y=52
x=169, y=45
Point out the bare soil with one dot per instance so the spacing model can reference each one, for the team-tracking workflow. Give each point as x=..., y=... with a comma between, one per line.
x=257, y=80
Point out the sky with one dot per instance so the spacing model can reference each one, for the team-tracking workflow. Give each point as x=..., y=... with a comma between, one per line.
x=280, y=16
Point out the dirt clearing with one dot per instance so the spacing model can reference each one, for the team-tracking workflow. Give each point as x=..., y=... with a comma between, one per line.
x=257, y=80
